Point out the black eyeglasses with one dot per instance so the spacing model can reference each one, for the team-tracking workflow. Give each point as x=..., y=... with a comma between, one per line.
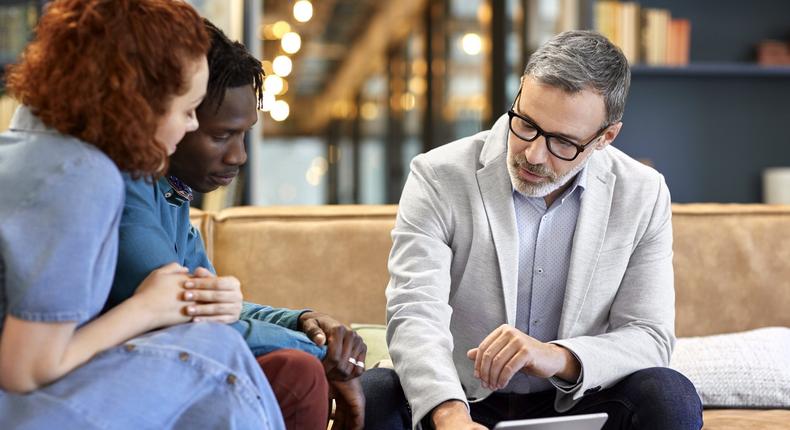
x=562, y=148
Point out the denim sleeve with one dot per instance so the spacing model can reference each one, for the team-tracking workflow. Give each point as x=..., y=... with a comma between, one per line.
x=264, y=337
x=268, y=329
x=143, y=245
x=59, y=242
x=195, y=250
x=287, y=318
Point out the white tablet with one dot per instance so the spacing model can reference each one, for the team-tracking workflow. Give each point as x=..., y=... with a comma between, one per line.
x=571, y=422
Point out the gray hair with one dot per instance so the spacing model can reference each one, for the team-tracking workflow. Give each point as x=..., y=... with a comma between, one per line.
x=578, y=60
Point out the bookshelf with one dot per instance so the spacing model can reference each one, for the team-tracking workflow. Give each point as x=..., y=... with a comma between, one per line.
x=712, y=126
x=734, y=70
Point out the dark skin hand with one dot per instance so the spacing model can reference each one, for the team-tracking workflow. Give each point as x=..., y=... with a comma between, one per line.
x=349, y=404
x=342, y=343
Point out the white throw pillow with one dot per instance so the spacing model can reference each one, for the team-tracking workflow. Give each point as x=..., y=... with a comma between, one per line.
x=739, y=370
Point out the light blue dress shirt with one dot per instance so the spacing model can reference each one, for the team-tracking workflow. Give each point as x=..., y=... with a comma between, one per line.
x=545, y=237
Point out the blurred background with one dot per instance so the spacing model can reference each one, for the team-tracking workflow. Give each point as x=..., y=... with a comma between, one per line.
x=356, y=88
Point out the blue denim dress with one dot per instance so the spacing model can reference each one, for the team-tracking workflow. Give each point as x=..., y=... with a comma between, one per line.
x=60, y=205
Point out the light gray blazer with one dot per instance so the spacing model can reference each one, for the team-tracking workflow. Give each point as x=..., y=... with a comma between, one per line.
x=454, y=271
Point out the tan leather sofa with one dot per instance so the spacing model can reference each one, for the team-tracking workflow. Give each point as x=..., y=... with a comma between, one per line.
x=732, y=270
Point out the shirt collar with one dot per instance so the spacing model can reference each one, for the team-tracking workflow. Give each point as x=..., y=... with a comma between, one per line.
x=25, y=119
x=579, y=181
x=174, y=190
x=581, y=178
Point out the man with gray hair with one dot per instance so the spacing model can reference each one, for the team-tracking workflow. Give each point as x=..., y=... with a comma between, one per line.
x=531, y=267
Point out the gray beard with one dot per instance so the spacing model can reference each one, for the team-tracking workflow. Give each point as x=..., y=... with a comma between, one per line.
x=539, y=190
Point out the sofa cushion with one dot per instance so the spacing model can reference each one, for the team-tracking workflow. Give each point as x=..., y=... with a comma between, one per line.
x=332, y=258
x=731, y=271
x=375, y=337
x=743, y=370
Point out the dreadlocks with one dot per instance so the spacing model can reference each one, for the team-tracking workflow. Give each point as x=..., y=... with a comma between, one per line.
x=230, y=65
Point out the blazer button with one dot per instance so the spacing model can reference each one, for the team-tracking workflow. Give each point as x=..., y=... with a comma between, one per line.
x=231, y=379
x=593, y=390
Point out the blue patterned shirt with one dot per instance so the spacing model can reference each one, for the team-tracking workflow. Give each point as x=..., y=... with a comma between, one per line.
x=545, y=237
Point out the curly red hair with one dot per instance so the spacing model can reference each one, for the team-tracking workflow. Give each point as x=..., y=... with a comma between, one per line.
x=105, y=71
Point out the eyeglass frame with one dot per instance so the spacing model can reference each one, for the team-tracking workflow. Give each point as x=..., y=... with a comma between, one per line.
x=511, y=113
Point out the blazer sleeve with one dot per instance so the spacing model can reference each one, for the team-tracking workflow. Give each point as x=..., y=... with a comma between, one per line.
x=418, y=310
x=641, y=318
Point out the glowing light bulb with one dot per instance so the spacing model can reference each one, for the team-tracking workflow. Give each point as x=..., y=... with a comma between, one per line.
x=280, y=28
x=291, y=42
x=267, y=101
x=369, y=111
x=303, y=10
x=273, y=84
x=471, y=43
x=282, y=65
x=280, y=110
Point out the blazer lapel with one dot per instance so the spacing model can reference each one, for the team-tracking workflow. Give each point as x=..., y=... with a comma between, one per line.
x=497, y=195
x=587, y=241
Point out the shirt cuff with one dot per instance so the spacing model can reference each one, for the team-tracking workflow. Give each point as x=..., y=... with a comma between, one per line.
x=565, y=386
x=290, y=318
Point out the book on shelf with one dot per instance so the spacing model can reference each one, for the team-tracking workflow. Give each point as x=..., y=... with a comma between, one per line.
x=773, y=53
x=646, y=35
x=630, y=26
x=607, y=20
x=654, y=36
x=678, y=38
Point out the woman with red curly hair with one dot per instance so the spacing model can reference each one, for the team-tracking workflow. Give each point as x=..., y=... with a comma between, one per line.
x=106, y=86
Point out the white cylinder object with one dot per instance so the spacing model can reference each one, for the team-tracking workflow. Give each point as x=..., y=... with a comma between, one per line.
x=776, y=185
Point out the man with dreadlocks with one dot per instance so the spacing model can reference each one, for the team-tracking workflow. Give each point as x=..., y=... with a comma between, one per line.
x=303, y=353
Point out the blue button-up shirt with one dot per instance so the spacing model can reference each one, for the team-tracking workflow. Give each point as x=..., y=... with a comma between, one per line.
x=155, y=230
x=545, y=237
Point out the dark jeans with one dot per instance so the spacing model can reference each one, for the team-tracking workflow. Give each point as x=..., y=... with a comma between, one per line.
x=657, y=398
x=386, y=407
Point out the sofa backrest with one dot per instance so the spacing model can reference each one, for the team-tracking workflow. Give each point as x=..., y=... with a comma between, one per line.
x=732, y=267
x=732, y=262
x=329, y=258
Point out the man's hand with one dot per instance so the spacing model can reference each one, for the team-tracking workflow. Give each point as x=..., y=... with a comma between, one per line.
x=453, y=415
x=349, y=404
x=508, y=350
x=343, y=345
x=218, y=298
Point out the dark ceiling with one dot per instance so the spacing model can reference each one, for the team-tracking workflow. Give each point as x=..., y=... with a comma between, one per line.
x=340, y=45
x=326, y=39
